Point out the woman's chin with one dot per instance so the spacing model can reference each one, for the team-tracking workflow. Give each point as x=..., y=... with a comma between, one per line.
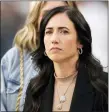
x=55, y=58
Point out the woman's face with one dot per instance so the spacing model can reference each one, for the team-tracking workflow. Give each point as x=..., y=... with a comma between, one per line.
x=48, y=6
x=60, y=38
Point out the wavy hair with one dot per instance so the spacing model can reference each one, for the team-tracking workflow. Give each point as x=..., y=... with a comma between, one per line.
x=38, y=84
x=27, y=37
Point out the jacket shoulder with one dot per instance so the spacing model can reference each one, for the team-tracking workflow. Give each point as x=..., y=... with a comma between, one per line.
x=10, y=54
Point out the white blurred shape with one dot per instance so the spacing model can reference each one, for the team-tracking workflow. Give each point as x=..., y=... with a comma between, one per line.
x=96, y=15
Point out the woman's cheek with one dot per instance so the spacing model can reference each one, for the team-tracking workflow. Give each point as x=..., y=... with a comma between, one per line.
x=46, y=43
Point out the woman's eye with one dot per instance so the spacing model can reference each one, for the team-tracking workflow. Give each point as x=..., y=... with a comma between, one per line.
x=64, y=32
x=48, y=32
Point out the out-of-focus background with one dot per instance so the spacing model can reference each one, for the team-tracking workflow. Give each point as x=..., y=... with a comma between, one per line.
x=13, y=15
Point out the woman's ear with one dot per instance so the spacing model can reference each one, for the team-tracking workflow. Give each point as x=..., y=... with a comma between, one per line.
x=79, y=46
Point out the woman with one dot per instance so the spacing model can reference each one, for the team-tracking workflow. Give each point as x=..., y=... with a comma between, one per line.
x=70, y=78
x=16, y=66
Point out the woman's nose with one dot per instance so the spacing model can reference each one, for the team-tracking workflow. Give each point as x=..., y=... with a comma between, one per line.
x=54, y=42
x=55, y=38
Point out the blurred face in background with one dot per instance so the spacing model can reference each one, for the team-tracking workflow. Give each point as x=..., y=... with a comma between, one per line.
x=60, y=39
x=48, y=6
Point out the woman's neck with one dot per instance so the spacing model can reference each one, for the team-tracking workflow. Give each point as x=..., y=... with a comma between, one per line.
x=65, y=68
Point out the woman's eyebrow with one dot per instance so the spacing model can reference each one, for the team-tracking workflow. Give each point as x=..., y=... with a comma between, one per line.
x=60, y=28
x=63, y=28
x=49, y=28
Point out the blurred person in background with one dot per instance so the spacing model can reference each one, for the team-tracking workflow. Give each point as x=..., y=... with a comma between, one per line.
x=16, y=64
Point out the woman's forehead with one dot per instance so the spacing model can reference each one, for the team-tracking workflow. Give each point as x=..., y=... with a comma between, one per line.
x=60, y=20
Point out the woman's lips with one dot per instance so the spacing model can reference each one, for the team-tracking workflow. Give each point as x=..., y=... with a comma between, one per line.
x=55, y=49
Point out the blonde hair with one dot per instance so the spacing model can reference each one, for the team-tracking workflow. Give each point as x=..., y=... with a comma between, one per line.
x=27, y=37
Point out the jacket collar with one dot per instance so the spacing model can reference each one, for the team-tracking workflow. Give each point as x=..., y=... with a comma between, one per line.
x=82, y=99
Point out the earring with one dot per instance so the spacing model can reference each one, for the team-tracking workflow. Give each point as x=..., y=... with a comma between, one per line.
x=80, y=50
x=45, y=53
